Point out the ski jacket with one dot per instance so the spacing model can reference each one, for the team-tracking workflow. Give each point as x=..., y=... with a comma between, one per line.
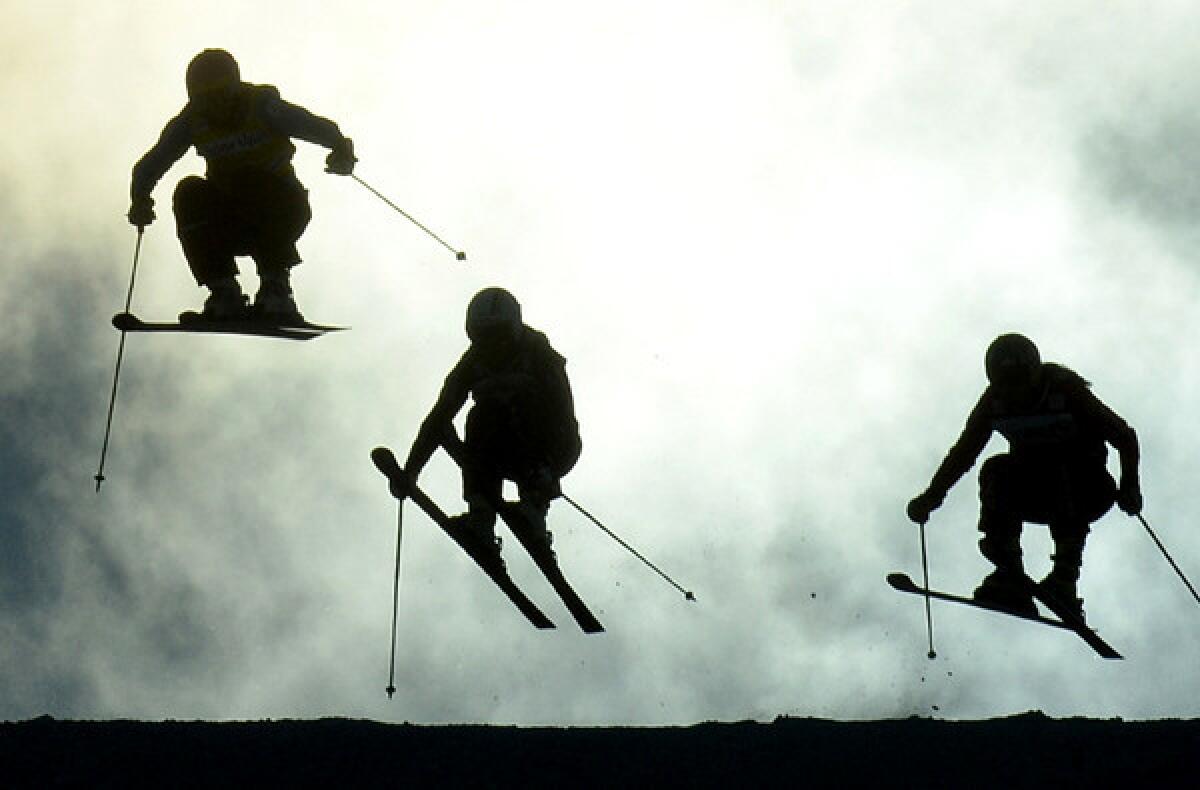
x=260, y=139
x=1065, y=425
x=531, y=383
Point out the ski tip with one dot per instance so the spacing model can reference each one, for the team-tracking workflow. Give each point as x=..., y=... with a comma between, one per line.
x=318, y=328
x=688, y=595
x=384, y=460
x=901, y=581
x=124, y=321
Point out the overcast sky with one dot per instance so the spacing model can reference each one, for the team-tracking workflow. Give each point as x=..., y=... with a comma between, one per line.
x=773, y=241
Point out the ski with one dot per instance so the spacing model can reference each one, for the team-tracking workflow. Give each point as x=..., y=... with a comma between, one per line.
x=1073, y=621
x=386, y=463
x=542, y=554
x=543, y=557
x=1067, y=621
x=128, y=322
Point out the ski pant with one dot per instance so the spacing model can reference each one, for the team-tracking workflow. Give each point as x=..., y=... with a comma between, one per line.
x=1066, y=497
x=501, y=445
x=252, y=213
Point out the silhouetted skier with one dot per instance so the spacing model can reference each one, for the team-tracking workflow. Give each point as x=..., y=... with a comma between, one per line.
x=521, y=427
x=249, y=202
x=1054, y=472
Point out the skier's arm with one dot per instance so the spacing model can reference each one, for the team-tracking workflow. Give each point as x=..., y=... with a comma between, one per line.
x=171, y=146
x=438, y=424
x=295, y=121
x=958, y=462
x=1120, y=435
x=562, y=400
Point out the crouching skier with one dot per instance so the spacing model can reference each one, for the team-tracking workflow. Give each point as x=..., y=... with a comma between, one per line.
x=1053, y=474
x=521, y=427
x=249, y=201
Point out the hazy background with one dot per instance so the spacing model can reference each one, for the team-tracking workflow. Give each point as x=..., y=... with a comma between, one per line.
x=772, y=239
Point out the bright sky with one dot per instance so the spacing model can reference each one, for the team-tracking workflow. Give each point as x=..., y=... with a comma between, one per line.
x=773, y=241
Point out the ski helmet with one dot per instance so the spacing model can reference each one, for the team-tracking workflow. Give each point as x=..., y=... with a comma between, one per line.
x=1012, y=359
x=210, y=70
x=493, y=314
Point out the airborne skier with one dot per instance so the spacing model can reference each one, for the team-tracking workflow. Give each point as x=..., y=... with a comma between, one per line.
x=1054, y=472
x=522, y=424
x=249, y=201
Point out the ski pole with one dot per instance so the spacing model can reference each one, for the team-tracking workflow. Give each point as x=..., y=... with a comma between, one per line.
x=458, y=254
x=687, y=594
x=928, y=612
x=1163, y=549
x=391, y=686
x=112, y=400
x=455, y=449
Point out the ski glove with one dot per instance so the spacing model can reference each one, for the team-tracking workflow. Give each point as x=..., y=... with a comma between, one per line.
x=1129, y=497
x=141, y=211
x=922, y=505
x=399, y=485
x=341, y=159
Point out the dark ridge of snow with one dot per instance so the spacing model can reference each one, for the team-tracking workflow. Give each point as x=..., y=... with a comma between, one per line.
x=1027, y=750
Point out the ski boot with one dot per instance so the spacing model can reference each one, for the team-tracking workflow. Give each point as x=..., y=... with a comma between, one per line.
x=273, y=304
x=532, y=516
x=535, y=493
x=1060, y=588
x=1059, y=584
x=226, y=302
x=1007, y=586
x=477, y=528
x=1008, y=589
